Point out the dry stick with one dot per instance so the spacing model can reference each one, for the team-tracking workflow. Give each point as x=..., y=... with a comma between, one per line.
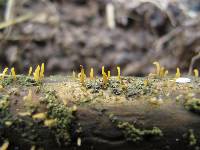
x=15, y=21
x=194, y=59
x=9, y=15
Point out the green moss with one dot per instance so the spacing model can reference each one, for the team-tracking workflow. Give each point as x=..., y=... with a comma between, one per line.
x=134, y=134
x=21, y=80
x=193, y=105
x=62, y=114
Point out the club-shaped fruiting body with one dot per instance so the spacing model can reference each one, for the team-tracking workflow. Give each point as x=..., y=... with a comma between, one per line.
x=39, y=73
x=4, y=73
x=160, y=71
x=178, y=73
x=13, y=73
x=82, y=75
x=30, y=71
x=91, y=73
x=118, y=73
x=196, y=72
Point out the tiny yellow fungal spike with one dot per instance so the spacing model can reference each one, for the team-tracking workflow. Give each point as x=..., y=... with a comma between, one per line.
x=50, y=122
x=8, y=123
x=23, y=114
x=82, y=75
x=29, y=97
x=166, y=73
x=79, y=141
x=4, y=73
x=162, y=72
x=91, y=73
x=146, y=82
x=40, y=116
x=103, y=70
x=74, y=108
x=1, y=87
x=109, y=74
x=30, y=71
x=36, y=74
x=105, y=79
x=178, y=73
x=42, y=71
x=13, y=73
x=196, y=72
x=33, y=147
x=118, y=73
x=157, y=67
x=5, y=145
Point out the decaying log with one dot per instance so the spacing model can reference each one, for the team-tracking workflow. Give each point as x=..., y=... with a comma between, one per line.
x=134, y=113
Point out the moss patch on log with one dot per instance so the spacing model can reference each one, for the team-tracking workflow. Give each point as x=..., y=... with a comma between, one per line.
x=63, y=116
x=134, y=134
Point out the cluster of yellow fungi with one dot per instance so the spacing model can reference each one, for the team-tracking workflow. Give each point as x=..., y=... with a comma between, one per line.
x=106, y=76
x=162, y=72
x=38, y=74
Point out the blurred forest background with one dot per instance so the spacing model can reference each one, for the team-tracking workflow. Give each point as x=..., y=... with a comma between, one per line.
x=128, y=33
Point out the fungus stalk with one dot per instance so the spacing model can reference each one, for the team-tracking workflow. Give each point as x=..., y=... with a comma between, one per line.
x=42, y=71
x=105, y=79
x=82, y=75
x=13, y=73
x=102, y=70
x=5, y=145
x=178, y=73
x=36, y=74
x=109, y=74
x=196, y=72
x=91, y=73
x=4, y=73
x=118, y=73
x=30, y=71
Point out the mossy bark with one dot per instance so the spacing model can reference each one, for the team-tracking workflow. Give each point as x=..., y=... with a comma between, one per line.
x=134, y=113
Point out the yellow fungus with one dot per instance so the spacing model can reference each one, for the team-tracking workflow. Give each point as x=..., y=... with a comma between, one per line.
x=36, y=74
x=42, y=71
x=196, y=72
x=82, y=75
x=103, y=70
x=4, y=73
x=109, y=74
x=91, y=73
x=13, y=73
x=118, y=73
x=157, y=67
x=74, y=108
x=23, y=114
x=162, y=72
x=1, y=87
x=40, y=116
x=29, y=97
x=105, y=79
x=8, y=123
x=79, y=141
x=146, y=82
x=5, y=145
x=33, y=147
x=166, y=73
x=30, y=71
x=178, y=73
x=50, y=122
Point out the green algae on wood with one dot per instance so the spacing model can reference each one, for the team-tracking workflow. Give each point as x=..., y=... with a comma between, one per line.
x=134, y=134
x=63, y=115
